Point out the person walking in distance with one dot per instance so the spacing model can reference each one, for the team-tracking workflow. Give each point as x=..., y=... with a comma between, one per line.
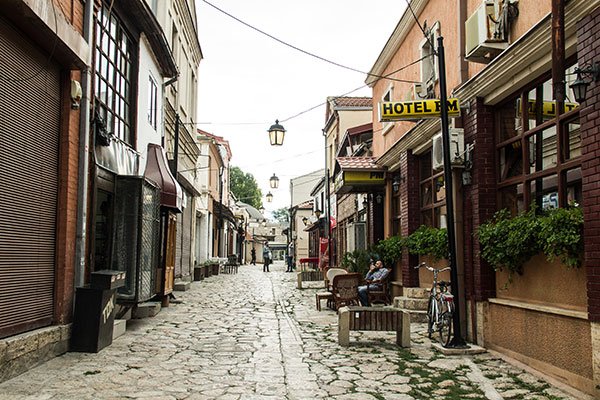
x=266, y=257
x=290, y=257
x=253, y=256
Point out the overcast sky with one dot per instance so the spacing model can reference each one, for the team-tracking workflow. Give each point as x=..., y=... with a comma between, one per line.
x=247, y=80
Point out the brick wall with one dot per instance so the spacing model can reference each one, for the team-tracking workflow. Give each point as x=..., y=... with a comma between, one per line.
x=410, y=211
x=588, y=30
x=73, y=11
x=479, y=198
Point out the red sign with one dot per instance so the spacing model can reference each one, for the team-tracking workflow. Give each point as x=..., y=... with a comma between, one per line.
x=323, y=253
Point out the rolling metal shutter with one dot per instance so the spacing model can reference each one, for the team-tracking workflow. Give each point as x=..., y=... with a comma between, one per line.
x=29, y=146
x=178, y=246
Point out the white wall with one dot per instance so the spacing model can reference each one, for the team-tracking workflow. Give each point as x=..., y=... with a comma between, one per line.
x=145, y=132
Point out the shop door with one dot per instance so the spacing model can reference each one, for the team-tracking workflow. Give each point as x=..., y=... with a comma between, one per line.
x=186, y=240
x=169, y=276
x=29, y=146
x=178, y=241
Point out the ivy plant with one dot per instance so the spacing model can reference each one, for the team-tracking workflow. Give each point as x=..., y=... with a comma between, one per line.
x=508, y=242
x=428, y=241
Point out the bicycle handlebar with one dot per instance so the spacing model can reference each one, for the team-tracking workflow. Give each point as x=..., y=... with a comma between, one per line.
x=424, y=264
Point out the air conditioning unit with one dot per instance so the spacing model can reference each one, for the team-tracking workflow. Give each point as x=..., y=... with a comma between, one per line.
x=422, y=90
x=457, y=148
x=483, y=41
x=356, y=236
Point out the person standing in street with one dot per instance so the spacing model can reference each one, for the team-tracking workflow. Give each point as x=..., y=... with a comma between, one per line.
x=290, y=258
x=253, y=256
x=266, y=257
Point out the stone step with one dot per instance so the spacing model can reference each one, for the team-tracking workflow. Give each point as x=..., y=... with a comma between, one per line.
x=147, y=309
x=119, y=328
x=411, y=303
x=181, y=286
x=416, y=292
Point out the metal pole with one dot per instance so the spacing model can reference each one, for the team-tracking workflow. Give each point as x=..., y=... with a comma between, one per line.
x=176, y=148
x=457, y=340
x=327, y=206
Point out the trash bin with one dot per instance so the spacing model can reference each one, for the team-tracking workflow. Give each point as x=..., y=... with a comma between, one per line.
x=94, y=314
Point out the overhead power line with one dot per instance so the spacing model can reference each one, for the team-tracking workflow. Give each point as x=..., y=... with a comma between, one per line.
x=308, y=53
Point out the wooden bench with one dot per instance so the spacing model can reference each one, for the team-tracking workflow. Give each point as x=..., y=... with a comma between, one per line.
x=373, y=319
x=310, y=276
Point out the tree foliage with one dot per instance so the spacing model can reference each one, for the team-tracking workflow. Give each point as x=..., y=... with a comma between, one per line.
x=282, y=215
x=244, y=187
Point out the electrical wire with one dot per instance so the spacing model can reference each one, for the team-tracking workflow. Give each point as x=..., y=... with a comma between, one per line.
x=298, y=48
x=427, y=37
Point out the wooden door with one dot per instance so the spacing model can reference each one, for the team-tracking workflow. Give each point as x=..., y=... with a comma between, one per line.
x=170, y=245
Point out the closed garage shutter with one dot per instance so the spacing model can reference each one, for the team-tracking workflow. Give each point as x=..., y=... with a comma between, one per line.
x=178, y=246
x=29, y=143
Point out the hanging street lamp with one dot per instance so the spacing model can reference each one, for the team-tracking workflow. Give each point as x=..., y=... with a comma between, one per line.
x=269, y=197
x=274, y=181
x=276, y=134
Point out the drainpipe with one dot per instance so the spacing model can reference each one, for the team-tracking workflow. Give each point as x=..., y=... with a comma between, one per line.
x=463, y=66
x=84, y=154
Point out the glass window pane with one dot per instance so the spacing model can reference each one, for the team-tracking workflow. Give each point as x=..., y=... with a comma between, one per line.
x=574, y=191
x=426, y=194
x=509, y=120
x=426, y=218
x=544, y=191
x=572, y=146
x=511, y=198
x=440, y=189
x=511, y=160
x=542, y=150
x=440, y=217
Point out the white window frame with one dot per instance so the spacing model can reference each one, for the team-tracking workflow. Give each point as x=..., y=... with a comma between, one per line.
x=388, y=95
x=429, y=66
x=152, y=102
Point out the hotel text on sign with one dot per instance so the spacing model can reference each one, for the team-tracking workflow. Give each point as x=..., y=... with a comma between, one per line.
x=399, y=110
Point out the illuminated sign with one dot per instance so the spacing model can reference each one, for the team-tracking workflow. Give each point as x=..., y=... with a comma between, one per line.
x=548, y=108
x=359, y=178
x=401, y=110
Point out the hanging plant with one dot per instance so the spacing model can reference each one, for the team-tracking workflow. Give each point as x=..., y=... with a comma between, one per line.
x=428, y=241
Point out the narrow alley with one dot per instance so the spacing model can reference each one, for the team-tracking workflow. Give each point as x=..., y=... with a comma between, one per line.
x=254, y=335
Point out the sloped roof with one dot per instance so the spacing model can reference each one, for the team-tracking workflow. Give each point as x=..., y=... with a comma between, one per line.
x=252, y=212
x=358, y=164
x=342, y=102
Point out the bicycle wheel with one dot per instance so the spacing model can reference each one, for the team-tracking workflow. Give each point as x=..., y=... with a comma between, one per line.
x=445, y=324
x=432, y=310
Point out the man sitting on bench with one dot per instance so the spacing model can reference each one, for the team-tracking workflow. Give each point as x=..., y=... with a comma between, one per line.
x=377, y=272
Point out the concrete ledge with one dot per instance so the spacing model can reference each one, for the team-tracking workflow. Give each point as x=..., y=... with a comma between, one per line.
x=145, y=310
x=470, y=350
x=119, y=328
x=181, y=286
x=22, y=352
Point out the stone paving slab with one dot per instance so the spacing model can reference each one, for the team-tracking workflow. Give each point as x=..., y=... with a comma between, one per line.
x=254, y=335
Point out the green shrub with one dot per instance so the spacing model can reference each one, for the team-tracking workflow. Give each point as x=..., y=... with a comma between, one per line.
x=389, y=250
x=560, y=235
x=356, y=261
x=428, y=241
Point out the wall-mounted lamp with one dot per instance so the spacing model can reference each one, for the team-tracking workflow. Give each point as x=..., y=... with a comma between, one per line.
x=396, y=182
x=305, y=221
x=276, y=134
x=76, y=94
x=579, y=87
x=365, y=201
x=269, y=197
x=378, y=198
x=274, y=181
x=318, y=213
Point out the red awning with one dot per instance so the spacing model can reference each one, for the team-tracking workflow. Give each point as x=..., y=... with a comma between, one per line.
x=157, y=171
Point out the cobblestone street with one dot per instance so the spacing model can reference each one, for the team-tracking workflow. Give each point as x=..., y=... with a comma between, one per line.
x=254, y=335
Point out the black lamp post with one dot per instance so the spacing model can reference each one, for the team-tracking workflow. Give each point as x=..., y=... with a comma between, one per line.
x=276, y=134
x=579, y=87
x=274, y=181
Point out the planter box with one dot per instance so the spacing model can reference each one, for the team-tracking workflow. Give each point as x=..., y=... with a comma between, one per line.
x=215, y=269
x=199, y=273
x=207, y=270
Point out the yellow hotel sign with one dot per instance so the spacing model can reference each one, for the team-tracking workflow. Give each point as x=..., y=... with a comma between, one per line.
x=359, y=178
x=399, y=110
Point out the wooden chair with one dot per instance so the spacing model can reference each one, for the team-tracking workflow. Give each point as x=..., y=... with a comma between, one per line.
x=379, y=295
x=345, y=289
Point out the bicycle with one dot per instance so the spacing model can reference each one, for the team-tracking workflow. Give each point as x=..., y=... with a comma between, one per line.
x=440, y=307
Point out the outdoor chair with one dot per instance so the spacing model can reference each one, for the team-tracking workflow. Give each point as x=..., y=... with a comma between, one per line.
x=328, y=295
x=345, y=289
x=331, y=272
x=379, y=295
